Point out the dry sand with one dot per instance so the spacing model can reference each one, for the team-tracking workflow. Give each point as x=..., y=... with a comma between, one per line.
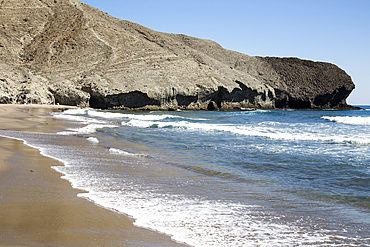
x=38, y=208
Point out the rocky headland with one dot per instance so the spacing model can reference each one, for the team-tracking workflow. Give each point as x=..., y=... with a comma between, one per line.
x=67, y=52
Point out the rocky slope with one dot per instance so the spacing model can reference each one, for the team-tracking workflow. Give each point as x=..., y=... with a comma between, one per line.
x=67, y=52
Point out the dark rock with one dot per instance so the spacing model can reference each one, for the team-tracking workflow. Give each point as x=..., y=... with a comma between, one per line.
x=212, y=106
x=310, y=85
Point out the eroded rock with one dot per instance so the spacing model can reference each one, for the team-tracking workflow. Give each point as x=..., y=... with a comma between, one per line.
x=70, y=53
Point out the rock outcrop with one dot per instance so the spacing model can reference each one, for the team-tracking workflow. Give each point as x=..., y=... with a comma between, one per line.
x=67, y=52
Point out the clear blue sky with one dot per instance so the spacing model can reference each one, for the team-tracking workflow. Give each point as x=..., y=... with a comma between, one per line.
x=335, y=31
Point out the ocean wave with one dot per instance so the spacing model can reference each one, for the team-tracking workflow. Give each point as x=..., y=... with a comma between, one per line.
x=259, y=111
x=156, y=124
x=349, y=120
x=125, y=153
x=270, y=132
x=207, y=223
x=117, y=115
x=79, y=119
x=76, y=113
x=89, y=115
x=88, y=129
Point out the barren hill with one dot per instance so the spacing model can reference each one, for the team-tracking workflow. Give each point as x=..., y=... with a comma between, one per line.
x=67, y=52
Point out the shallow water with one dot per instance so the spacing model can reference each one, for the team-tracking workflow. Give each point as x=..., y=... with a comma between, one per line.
x=260, y=178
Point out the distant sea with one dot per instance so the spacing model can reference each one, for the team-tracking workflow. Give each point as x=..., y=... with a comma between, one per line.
x=246, y=178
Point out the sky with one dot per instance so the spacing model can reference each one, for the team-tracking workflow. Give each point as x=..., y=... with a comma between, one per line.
x=335, y=31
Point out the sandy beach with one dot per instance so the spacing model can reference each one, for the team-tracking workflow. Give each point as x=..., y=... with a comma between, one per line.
x=38, y=208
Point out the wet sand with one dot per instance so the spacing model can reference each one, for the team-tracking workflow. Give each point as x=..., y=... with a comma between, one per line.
x=38, y=208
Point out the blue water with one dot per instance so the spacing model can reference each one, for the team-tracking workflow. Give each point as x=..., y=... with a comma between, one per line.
x=258, y=178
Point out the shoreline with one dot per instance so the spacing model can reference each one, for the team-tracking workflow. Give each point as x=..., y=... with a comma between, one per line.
x=37, y=207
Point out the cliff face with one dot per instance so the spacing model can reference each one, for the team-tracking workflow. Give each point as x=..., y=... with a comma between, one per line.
x=67, y=52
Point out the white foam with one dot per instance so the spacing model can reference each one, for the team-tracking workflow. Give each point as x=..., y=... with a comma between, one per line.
x=267, y=130
x=207, y=223
x=93, y=140
x=122, y=152
x=76, y=118
x=88, y=129
x=112, y=115
x=349, y=120
x=78, y=111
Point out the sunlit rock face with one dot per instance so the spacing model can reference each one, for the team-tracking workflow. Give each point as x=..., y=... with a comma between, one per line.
x=67, y=52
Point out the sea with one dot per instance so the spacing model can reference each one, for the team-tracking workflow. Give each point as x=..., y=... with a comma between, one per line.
x=213, y=178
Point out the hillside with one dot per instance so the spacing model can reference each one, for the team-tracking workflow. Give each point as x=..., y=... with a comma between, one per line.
x=67, y=52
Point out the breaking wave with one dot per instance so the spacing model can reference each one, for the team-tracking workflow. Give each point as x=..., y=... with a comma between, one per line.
x=349, y=120
x=267, y=130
